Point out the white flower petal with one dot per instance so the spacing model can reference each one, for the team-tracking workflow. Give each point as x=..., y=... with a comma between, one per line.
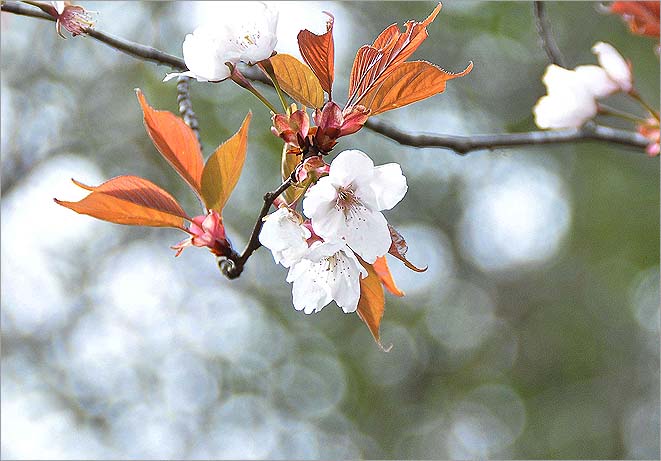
x=389, y=185
x=203, y=54
x=320, y=198
x=614, y=65
x=564, y=109
x=596, y=81
x=172, y=75
x=557, y=79
x=350, y=166
x=310, y=293
x=284, y=234
x=346, y=292
x=367, y=234
x=322, y=250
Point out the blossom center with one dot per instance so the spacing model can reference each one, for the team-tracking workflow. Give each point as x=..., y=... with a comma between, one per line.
x=347, y=202
x=330, y=268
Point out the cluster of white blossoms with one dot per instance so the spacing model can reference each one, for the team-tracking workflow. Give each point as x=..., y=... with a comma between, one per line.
x=572, y=94
x=249, y=39
x=345, y=221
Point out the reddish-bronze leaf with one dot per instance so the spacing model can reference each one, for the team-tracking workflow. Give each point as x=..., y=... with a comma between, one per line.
x=130, y=200
x=374, y=63
x=642, y=17
x=383, y=271
x=389, y=33
x=398, y=249
x=175, y=141
x=408, y=83
x=223, y=168
x=372, y=301
x=318, y=51
x=296, y=79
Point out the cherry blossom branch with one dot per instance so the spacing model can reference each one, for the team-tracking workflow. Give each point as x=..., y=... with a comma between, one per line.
x=232, y=265
x=134, y=49
x=462, y=145
x=545, y=34
x=459, y=144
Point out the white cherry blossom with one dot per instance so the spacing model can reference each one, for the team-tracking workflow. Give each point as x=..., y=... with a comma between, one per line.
x=329, y=271
x=347, y=203
x=286, y=237
x=250, y=39
x=572, y=95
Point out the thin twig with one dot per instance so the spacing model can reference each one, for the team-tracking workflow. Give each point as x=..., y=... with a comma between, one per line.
x=232, y=266
x=545, y=34
x=463, y=145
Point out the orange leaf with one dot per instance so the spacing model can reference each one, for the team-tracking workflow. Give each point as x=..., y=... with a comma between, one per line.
x=318, y=51
x=398, y=249
x=289, y=162
x=642, y=17
x=372, y=301
x=175, y=141
x=391, y=48
x=129, y=200
x=223, y=168
x=383, y=271
x=408, y=83
x=297, y=80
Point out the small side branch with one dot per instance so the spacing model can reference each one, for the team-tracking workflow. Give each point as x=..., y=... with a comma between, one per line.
x=186, y=106
x=463, y=145
x=545, y=34
x=232, y=266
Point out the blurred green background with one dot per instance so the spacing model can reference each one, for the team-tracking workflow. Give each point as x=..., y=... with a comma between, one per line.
x=534, y=333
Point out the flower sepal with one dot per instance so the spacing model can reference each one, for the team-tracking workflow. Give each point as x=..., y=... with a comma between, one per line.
x=206, y=231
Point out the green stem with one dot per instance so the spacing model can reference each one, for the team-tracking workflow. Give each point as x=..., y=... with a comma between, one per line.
x=606, y=110
x=267, y=67
x=634, y=94
x=238, y=78
x=270, y=106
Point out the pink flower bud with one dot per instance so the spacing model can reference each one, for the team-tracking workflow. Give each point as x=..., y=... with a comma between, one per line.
x=206, y=231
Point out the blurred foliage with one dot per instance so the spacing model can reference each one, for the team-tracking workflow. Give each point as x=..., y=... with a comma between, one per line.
x=553, y=353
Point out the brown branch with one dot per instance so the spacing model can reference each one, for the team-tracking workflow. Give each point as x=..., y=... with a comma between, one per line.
x=232, y=265
x=545, y=35
x=463, y=145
